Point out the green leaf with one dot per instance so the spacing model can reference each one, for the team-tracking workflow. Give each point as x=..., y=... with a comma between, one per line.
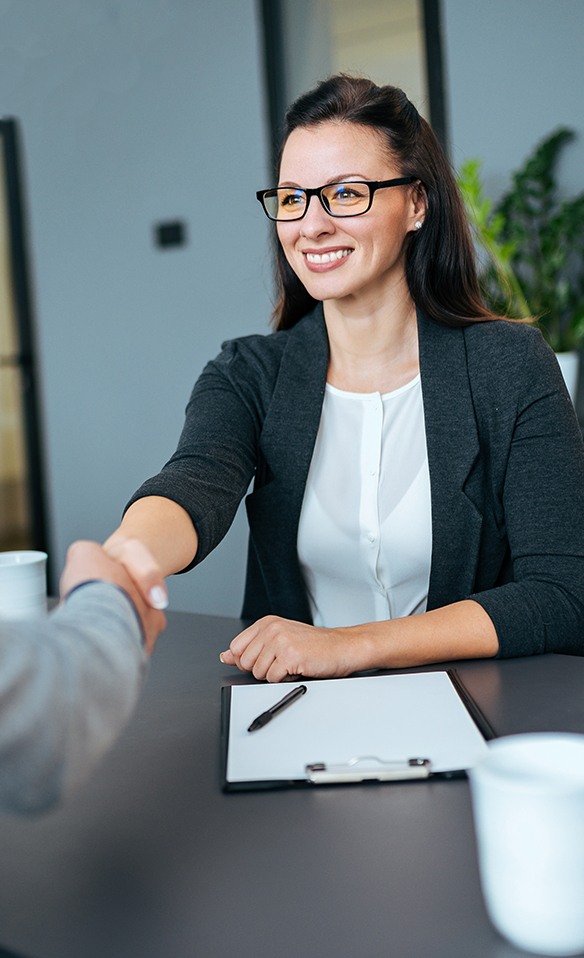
x=531, y=243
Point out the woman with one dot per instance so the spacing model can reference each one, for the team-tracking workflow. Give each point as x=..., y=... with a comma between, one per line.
x=419, y=471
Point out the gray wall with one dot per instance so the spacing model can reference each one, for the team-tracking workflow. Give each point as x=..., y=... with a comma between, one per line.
x=135, y=112
x=515, y=72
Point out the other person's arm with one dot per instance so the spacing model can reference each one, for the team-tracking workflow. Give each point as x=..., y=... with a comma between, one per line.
x=69, y=683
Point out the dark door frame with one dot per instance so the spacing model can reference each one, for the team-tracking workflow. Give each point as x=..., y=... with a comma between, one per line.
x=25, y=359
x=275, y=71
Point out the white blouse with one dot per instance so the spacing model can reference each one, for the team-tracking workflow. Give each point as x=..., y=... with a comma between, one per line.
x=365, y=532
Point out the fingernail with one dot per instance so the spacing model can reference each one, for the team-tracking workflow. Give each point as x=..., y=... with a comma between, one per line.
x=158, y=597
x=221, y=659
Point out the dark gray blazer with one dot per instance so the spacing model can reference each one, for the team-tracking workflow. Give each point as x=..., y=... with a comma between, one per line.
x=506, y=464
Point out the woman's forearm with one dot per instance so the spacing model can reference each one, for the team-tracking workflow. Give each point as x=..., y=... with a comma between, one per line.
x=462, y=630
x=156, y=538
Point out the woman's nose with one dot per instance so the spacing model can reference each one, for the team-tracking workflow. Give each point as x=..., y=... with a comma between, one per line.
x=316, y=219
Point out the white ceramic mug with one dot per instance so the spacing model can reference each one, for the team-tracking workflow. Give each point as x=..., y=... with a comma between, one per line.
x=23, y=584
x=528, y=804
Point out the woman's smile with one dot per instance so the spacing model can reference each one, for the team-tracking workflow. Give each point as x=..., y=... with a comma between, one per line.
x=325, y=259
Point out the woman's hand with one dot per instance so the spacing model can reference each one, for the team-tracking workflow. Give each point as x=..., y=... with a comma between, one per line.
x=140, y=565
x=276, y=649
x=156, y=538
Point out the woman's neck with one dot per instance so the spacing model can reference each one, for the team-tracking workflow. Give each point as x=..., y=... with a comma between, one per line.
x=372, y=351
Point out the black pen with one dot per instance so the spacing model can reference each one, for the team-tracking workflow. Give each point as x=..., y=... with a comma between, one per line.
x=266, y=717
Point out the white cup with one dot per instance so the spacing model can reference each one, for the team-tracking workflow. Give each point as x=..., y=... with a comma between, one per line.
x=23, y=584
x=528, y=804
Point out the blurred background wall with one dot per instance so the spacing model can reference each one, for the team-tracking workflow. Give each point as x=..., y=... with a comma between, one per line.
x=514, y=72
x=137, y=114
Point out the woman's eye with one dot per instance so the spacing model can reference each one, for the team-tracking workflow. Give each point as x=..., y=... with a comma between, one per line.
x=292, y=199
x=348, y=193
x=345, y=192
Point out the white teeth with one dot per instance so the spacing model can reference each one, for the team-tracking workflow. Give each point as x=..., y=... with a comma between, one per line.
x=327, y=257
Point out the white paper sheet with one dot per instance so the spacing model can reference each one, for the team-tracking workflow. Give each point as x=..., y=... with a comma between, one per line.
x=390, y=717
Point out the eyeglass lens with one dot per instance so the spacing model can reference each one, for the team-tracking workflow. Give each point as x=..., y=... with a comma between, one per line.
x=340, y=199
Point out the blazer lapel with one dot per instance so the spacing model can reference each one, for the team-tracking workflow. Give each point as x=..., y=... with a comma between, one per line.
x=291, y=426
x=287, y=443
x=454, y=461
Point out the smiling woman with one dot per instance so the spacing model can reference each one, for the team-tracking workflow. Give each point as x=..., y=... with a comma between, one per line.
x=397, y=432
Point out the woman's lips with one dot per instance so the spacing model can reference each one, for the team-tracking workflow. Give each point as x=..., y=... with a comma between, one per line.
x=326, y=259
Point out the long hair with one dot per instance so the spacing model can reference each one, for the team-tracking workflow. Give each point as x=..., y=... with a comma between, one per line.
x=440, y=263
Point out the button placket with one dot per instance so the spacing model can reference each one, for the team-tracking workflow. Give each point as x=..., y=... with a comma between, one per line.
x=370, y=461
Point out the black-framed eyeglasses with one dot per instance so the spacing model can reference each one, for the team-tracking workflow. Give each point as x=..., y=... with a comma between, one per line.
x=347, y=198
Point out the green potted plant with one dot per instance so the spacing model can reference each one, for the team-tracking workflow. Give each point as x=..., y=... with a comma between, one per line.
x=531, y=247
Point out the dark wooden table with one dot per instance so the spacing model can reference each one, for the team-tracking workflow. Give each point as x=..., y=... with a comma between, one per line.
x=151, y=860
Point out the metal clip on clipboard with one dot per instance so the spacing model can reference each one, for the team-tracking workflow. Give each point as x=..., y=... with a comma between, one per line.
x=368, y=768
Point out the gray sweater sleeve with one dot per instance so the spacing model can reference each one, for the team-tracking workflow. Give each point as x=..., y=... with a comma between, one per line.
x=67, y=686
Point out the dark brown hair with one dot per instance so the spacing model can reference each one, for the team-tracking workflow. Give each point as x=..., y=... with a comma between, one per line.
x=440, y=262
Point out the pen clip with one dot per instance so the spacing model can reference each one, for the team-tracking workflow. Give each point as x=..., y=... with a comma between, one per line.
x=368, y=768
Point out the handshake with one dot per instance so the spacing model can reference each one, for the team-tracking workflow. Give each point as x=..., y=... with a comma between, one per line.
x=131, y=568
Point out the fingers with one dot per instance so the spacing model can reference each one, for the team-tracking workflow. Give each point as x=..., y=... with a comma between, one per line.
x=265, y=650
x=153, y=623
x=227, y=657
x=239, y=646
x=140, y=565
x=88, y=561
x=278, y=649
x=241, y=643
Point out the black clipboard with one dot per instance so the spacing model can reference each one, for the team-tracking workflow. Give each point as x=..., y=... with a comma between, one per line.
x=276, y=738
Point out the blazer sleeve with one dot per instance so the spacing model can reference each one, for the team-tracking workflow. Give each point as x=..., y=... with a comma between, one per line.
x=536, y=447
x=217, y=454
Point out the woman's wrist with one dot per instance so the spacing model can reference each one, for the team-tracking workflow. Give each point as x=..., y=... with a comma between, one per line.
x=362, y=646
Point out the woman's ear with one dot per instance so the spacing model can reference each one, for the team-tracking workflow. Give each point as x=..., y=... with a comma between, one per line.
x=419, y=207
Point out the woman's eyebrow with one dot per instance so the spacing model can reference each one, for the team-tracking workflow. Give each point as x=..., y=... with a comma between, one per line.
x=340, y=178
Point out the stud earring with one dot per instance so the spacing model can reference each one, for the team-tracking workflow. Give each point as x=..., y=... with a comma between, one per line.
x=418, y=225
